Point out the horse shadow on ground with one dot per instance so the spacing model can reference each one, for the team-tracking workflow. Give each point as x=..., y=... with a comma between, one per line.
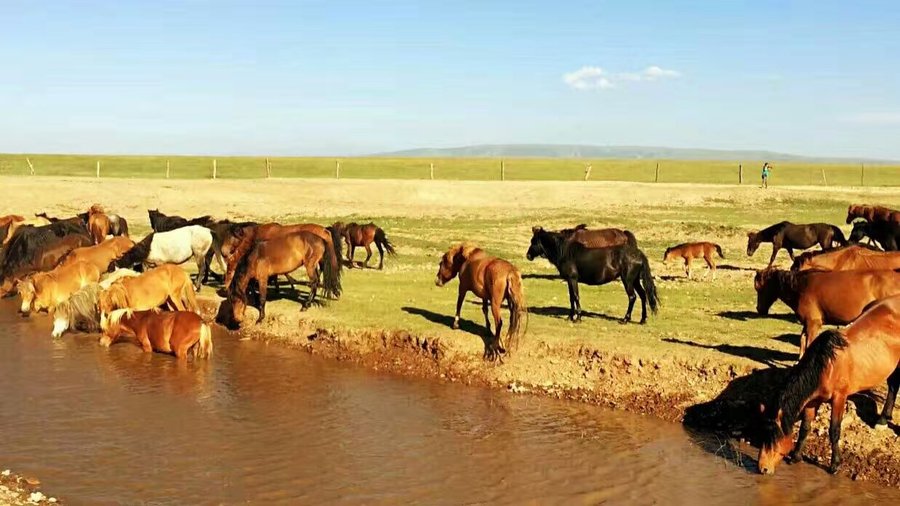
x=764, y=356
x=726, y=267
x=789, y=339
x=447, y=321
x=563, y=312
x=743, y=316
x=541, y=276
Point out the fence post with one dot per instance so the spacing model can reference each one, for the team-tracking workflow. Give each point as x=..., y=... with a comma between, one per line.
x=656, y=180
x=862, y=174
x=502, y=171
x=167, y=169
x=30, y=166
x=215, y=168
x=98, y=168
x=268, y=168
x=337, y=169
x=740, y=173
x=587, y=171
x=432, y=170
x=824, y=179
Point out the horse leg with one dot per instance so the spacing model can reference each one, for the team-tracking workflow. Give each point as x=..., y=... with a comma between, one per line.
x=263, y=288
x=368, y=255
x=571, y=302
x=629, y=290
x=791, y=253
x=838, y=403
x=687, y=267
x=352, y=253
x=497, y=349
x=776, y=245
x=459, y=302
x=312, y=271
x=643, y=295
x=575, y=299
x=710, y=266
x=380, y=255
x=145, y=342
x=484, y=309
x=811, y=328
x=888, y=411
x=809, y=413
x=201, y=271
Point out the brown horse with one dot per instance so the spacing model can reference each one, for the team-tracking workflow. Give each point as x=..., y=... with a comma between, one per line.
x=44, y=290
x=839, y=364
x=178, y=333
x=98, y=223
x=872, y=213
x=356, y=235
x=691, y=250
x=166, y=284
x=101, y=254
x=823, y=297
x=46, y=260
x=281, y=255
x=9, y=218
x=5, y=223
x=790, y=236
x=15, y=225
x=599, y=237
x=853, y=257
x=493, y=280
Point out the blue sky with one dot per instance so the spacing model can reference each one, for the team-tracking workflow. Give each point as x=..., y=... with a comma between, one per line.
x=347, y=77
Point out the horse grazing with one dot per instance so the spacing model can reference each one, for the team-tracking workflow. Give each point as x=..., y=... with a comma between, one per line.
x=597, y=266
x=823, y=297
x=166, y=284
x=357, y=235
x=179, y=333
x=159, y=222
x=691, y=250
x=172, y=247
x=81, y=311
x=493, y=280
x=838, y=364
x=36, y=249
x=872, y=214
x=101, y=254
x=790, y=237
x=850, y=258
x=282, y=255
x=45, y=290
x=885, y=233
x=599, y=237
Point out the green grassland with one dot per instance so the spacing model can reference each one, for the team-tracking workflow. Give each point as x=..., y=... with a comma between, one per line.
x=671, y=171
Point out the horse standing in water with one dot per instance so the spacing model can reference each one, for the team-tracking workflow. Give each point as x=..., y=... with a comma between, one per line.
x=838, y=364
x=493, y=280
x=178, y=333
x=357, y=235
x=790, y=237
x=597, y=266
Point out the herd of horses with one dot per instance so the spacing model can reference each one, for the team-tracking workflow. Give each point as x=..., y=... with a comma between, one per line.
x=90, y=275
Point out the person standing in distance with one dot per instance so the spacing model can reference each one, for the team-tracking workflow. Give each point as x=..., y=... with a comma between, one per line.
x=765, y=175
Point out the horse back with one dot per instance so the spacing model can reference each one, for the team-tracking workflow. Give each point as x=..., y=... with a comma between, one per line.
x=599, y=238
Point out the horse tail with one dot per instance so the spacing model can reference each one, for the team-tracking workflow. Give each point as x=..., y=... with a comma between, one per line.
x=515, y=296
x=332, y=272
x=381, y=238
x=649, y=285
x=337, y=243
x=188, y=297
x=205, y=344
x=719, y=251
x=630, y=239
x=838, y=236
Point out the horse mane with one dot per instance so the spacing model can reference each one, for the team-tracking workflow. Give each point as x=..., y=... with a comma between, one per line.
x=576, y=228
x=115, y=317
x=81, y=307
x=137, y=254
x=241, y=256
x=96, y=209
x=802, y=381
x=769, y=232
x=28, y=242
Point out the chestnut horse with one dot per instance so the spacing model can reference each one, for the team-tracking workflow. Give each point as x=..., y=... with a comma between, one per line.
x=101, y=254
x=178, y=333
x=98, y=223
x=281, y=255
x=853, y=257
x=493, y=280
x=823, y=297
x=166, y=284
x=5, y=225
x=364, y=235
x=599, y=237
x=45, y=259
x=872, y=214
x=691, y=250
x=866, y=354
x=45, y=290
x=790, y=237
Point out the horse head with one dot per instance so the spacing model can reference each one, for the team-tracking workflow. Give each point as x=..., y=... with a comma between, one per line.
x=27, y=291
x=776, y=443
x=767, y=284
x=752, y=243
x=666, y=255
x=450, y=264
x=860, y=231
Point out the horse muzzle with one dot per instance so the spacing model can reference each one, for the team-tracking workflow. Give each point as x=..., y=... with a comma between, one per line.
x=438, y=281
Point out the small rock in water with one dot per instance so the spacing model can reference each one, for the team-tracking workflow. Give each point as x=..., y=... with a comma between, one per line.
x=36, y=497
x=6, y=473
x=52, y=500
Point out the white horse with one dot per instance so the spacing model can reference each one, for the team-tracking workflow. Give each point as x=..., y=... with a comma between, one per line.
x=172, y=247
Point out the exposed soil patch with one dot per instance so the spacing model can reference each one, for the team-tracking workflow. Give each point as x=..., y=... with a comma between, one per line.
x=18, y=490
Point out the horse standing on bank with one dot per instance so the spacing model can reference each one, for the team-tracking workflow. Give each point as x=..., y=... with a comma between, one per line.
x=172, y=247
x=885, y=233
x=790, y=237
x=599, y=237
x=597, y=266
x=357, y=235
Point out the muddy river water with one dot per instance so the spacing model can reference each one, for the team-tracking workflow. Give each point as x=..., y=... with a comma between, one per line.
x=264, y=423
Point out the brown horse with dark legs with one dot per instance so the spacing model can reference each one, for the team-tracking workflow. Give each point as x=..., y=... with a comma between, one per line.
x=98, y=223
x=493, y=280
x=872, y=214
x=823, y=297
x=692, y=250
x=863, y=356
x=790, y=237
x=357, y=235
x=178, y=333
x=281, y=255
x=850, y=258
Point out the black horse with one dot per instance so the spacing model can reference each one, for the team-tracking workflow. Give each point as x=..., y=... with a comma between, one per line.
x=886, y=234
x=160, y=222
x=27, y=245
x=597, y=266
x=790, y=237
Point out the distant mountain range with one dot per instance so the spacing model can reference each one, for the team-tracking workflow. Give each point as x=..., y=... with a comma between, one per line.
x=611, y=152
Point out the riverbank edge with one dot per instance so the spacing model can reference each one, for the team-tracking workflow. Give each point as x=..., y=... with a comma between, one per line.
x=665, y=389
x=16, y=490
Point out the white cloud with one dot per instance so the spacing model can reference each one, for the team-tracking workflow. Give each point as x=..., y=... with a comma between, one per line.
x=595, y=78
x=874, y=118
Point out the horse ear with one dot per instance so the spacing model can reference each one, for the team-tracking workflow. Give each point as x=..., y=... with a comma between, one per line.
x=536, y=229
x=762, y=408
x=751, y=234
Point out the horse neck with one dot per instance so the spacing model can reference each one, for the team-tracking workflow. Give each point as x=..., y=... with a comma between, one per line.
x=788, y=289
x=555, y=251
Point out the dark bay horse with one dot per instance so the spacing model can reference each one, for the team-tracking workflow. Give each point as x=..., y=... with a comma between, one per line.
x=493, y=280
x=357, y=235
x=823, y=297
x=597, y=266
x=160, y=222
x=865, y=355
x=25, y=251
x=790, y=237
x=885, y=233
x=599, y=237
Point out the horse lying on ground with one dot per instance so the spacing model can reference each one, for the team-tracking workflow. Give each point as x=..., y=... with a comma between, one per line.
x=81, y=311
x=692, y=250
x=850, y=258
x=357, y=235
x=173, y=247
x=823, y=297
x=45, y=290
x=493, y=280
x=178, y=333
x=166, y=284
x=790, y=237
x=838, y=364
x=597, y=266
x=885, y=233
x=872, y=214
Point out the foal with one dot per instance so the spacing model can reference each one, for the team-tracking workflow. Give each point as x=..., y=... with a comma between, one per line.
x=691, y=250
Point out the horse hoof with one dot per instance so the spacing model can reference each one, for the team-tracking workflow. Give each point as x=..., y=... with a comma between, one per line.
x=833, y=469
x=624, y=321
x=455, y=326
x=794, y=458
x=881, y=421
x=644, y=321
